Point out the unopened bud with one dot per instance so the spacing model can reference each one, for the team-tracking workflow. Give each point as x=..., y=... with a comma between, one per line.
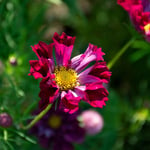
x=5, y=120
x=13, y=61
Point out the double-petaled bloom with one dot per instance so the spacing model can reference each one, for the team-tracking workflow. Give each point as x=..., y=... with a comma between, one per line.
x=139, y=12
x=70, y=80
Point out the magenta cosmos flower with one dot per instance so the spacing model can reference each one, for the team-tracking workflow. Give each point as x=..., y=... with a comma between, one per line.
x=70, y=80
x=139, y=12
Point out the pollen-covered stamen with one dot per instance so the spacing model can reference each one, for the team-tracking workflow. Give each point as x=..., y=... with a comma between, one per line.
x=65, y=78
x=147, y=29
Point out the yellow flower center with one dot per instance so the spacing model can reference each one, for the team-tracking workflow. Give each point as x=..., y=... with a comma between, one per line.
x=147, y=29
x=54, y=121
x=65, y=78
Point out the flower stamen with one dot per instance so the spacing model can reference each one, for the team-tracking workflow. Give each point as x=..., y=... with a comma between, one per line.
x=65, y=78
x=147, y=29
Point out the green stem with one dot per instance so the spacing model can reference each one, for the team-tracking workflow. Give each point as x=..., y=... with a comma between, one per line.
x=37, y=118
x=120, y=53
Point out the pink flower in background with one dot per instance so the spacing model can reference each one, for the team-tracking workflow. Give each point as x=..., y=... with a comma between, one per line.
x=91, y=121
x=70, y=80
x=139, y=12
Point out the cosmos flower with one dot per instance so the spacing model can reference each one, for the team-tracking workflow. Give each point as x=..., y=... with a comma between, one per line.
x=139, y=12
x=70, y=80
x=58, y=130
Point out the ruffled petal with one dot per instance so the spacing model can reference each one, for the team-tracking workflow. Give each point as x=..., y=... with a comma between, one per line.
x=96, y=95
x=43, y=50
x=136, y=17
x=85, y=72
x=48, y=93
x=101, y=70
x=80, y=91
x=91, y=54
x=69, y=101
x=39, y=68
x=75, y=61
x=63, y=48
x=127, y=4
x=51, y=65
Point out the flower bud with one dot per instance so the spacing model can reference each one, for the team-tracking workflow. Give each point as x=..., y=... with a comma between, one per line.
x=92, y=121
x=13, y=61
x=5, y=120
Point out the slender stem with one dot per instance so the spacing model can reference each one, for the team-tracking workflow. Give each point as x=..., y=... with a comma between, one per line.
x=120, y=53
x=37, y=118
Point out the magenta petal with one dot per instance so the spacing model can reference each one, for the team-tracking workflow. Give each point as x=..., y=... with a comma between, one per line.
x=136, y=17
x=69, y=102
x=43, y=103
x=63, y=48
x=48, y=93
x=75, y=61
x=94, y=50
x=96, y=95
x=101, y=70
x=80, y=91
x=51, y=65
x=86, y=71
x=88, y=79
x=91, y=54
x=39, y=68
x=127, y=4
x=43, y=50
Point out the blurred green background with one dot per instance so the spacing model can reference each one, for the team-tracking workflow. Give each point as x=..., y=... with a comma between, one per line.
x=101, y=22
